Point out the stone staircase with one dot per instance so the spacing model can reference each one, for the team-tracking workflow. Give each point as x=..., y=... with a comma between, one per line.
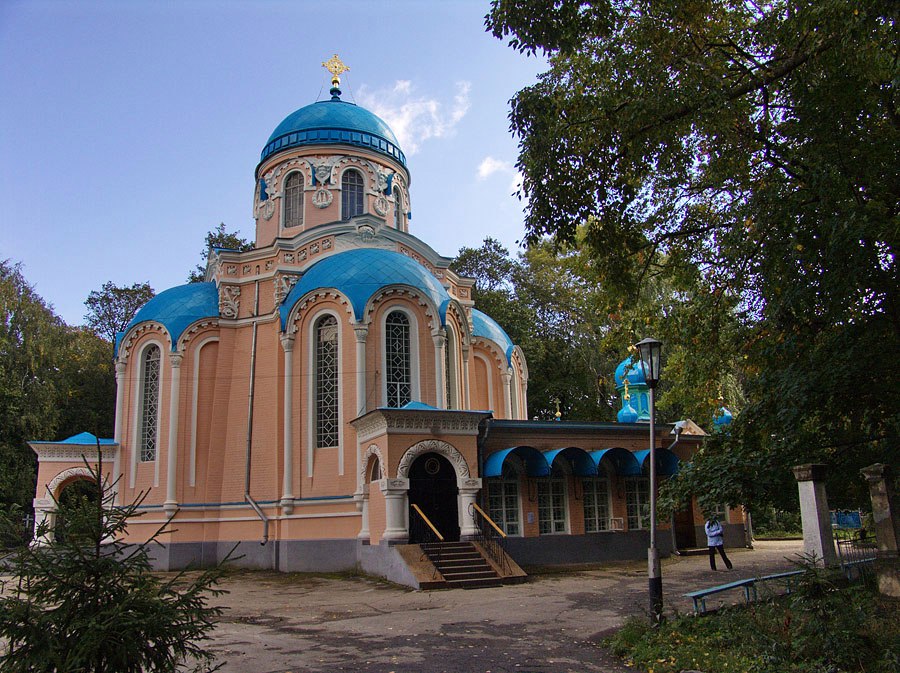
x=462, y=565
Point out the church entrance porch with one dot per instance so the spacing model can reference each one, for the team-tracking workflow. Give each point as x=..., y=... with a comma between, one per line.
x=433, y=487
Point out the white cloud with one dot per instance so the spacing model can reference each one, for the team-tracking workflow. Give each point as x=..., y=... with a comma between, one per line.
x=415, y=119
x=490, y=165
x=516, y=183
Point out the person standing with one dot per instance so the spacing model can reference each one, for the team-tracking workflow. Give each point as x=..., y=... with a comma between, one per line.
x=715, y=538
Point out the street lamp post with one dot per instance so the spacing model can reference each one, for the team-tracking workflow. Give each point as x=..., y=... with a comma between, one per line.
x=649, y=352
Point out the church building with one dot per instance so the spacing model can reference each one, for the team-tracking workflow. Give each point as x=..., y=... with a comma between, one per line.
x=333, y=397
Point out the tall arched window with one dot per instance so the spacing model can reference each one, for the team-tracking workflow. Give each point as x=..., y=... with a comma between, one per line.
x=293, y=200
x=150, y=364
x=450, y=370
x=352, y=192
x=327, y=415
x=398, y=374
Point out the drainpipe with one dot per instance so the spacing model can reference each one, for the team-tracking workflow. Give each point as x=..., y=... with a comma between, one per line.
x=247, y=497
x=679, y=426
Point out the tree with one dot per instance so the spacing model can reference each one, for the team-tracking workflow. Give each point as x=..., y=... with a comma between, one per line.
x=218, y=238
x=753, y=146
x=89, y=602
x=32, y=343
x=112, y=307
x=87, y=385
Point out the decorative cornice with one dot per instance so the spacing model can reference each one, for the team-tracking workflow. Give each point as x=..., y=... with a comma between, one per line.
x=66, y=453
x=439, y=447
x=146, y=327
x=417, y=421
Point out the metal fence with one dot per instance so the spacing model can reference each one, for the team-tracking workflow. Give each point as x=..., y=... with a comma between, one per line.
x=856, y=554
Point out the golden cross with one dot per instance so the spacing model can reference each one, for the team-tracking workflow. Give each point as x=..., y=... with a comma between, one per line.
x=335, y=66
x=625, y=381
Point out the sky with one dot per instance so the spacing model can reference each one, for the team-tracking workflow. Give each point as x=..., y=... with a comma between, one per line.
x=128, y=129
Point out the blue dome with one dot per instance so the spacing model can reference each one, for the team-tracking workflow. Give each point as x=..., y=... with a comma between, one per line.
x=635, y=374
x=333, y=122
x=722, y=418
x=177, y=308
x=486, y=327
x=359, y=274
x=627, y=413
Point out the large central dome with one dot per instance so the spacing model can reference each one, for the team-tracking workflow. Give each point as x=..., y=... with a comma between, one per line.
x=334, y=122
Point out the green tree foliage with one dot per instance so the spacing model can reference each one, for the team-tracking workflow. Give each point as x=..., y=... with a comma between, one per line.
x=221, y=239
x=112, y=307
x=749, y=152
x=32, y=344
x=86, y=397
x=89, y=602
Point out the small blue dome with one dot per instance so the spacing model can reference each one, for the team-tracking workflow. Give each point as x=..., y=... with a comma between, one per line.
x=627, y=413
x=635, y=373
x=177, y=308
x=334, y=122
x=485, y=326
x=722, y=418
x=359, y=274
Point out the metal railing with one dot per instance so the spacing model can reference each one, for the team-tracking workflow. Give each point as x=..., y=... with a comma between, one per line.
x=856, y=554
x=421, y=529
x=490, y=536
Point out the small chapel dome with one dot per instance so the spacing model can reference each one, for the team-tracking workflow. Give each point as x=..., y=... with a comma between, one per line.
x=722, y=418
x=177, y=308
x=486, y=327
x=334, y=122
x=635, y=373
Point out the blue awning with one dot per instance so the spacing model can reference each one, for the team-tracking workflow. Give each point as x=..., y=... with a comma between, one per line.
x=666, y=461
x=535, y=463
x=624, y=461
x=582, y=465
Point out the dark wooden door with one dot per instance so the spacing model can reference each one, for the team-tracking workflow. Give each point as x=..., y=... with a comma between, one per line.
x=432, y=486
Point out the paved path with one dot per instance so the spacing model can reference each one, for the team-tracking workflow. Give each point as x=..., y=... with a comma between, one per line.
x=552, y=624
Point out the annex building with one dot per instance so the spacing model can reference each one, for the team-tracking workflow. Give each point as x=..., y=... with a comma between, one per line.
x=334, y=395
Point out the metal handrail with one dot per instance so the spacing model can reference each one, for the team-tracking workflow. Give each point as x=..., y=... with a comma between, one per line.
x=490, y=538
x=430, y=538
x=428, y=521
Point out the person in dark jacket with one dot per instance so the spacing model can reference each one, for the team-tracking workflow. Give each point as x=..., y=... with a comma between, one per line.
x=716, y=541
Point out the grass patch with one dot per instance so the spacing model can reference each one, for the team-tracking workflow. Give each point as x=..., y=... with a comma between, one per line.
x=825, y=626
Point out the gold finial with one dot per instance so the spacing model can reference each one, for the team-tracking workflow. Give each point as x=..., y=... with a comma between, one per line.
x=627, y=396
x=558, y=414
x=335, y=66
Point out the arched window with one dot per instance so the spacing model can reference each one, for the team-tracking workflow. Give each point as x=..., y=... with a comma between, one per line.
x=450, y=370
x=352, y=192
x=596, y=504
x=398, y=374
x=503, y=501
x=293, y=200
x=327, y=416
x=552, y=503
x=150, y=364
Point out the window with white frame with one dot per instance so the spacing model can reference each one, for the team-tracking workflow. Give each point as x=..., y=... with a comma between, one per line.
x=637, y=502
x=503, y=501
x=293, y=200
x=326, y=367
x=551, y=493
x=150, y=370
x=596, y=504
x=398, y=359
x=398, y=210
x=352, y=194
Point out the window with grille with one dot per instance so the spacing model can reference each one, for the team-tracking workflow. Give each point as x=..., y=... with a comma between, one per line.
x=352, y=192
x=398, y=210
x=552, y=504
x=637, y=502
x=293, y=200
x=399, y=363
x=149, y=403
x=326, y=382
x=503, y=501
x=596, y=505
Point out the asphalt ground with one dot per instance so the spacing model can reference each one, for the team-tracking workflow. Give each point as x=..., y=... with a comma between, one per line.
x=554, y=623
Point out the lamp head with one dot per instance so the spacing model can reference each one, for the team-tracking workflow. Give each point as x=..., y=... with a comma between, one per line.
x=649, y=350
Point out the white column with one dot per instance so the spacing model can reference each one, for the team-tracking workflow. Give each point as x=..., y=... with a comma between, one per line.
x=362, y=503
x=362, y=332
x=44, y=509
x=396, y=508
x=171, y=503
x=818, y=539
x=467, y=399
x=440, y=343
x=506, y=377
x=117, y=432
x=468, y=492
x=287, y=485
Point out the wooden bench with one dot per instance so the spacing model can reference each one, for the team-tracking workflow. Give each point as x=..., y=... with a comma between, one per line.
x=748, y=585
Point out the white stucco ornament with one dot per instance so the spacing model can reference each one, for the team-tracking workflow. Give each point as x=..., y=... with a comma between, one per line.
x=322, y=198
x=381, y=206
